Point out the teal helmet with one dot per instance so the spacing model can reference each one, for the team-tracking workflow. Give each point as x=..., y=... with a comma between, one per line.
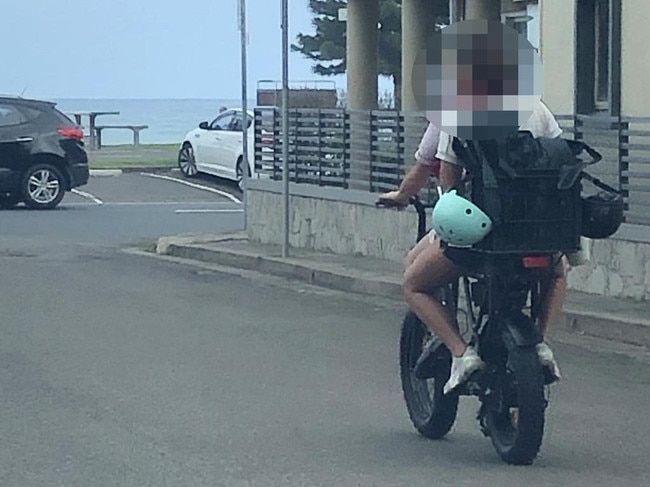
x=458, y=221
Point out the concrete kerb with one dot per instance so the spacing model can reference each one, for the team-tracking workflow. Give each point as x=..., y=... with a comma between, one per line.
x=607, y=327
x=279, y=267
x=576, y=320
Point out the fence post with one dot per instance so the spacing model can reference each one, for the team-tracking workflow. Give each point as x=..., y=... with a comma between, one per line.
x=346, y=149
x=360, y=139
x=623, y=154
x=320, y=147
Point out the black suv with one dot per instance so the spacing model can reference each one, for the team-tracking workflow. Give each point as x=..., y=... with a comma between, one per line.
x=42, y=154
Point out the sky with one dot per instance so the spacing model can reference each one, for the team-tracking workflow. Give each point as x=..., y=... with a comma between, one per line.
x=144, y=48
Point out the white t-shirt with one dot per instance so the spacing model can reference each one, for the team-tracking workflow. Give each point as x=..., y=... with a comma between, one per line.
x=542, y=123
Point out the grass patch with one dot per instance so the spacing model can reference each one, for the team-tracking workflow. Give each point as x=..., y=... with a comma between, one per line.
x=123, y=164
x=126, y=156
x=142, y=146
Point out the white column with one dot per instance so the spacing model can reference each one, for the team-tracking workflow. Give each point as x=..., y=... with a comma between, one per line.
x=483, y=9
x=362, y=54
x=417, y=26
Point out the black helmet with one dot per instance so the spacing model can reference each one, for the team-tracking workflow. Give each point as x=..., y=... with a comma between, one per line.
x=602, y=215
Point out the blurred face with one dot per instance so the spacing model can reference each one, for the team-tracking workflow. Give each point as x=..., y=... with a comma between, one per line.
x=478, y=80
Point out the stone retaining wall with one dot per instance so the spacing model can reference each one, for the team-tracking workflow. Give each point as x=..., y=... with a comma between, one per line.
x=347, y=222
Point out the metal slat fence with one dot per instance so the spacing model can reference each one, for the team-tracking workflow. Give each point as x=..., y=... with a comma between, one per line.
x=379, y=145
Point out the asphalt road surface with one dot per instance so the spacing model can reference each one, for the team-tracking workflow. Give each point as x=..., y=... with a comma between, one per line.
x=121, y=369
x=116, y=209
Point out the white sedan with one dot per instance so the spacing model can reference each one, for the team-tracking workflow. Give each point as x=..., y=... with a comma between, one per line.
x=217, y=148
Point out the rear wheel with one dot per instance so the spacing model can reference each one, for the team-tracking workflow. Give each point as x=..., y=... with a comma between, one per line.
x=431, y=411
x=43, y=187
x=187, y=162
x=515, y=418
x=240, y=173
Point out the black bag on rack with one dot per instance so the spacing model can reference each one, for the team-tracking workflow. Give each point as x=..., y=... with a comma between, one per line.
x=531, y=189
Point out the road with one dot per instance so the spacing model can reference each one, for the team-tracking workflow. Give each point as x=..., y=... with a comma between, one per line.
x=121, y=369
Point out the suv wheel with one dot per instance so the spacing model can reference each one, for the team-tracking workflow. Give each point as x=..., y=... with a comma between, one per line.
x=43, y=187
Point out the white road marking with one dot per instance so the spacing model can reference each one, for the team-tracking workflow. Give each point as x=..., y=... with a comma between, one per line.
x=170, y=203
x=192, y=185
x=105, y=172
x=89, y=196
x=204, y=210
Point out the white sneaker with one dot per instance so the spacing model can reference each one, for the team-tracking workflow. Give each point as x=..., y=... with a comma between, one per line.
x=547, y=359
x=462, y=367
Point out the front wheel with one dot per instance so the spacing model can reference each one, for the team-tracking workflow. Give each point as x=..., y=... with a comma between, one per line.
x=515, y=416
x=431, y=411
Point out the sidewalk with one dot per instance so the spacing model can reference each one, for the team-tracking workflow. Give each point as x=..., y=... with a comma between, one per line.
x=622, y=321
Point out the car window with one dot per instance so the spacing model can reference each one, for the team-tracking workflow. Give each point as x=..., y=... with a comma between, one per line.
x=31, y=113
x=222, y=122
x=237, y=123
x=9, y=116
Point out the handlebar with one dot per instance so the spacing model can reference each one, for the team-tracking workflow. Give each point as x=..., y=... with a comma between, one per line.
x=420, y=208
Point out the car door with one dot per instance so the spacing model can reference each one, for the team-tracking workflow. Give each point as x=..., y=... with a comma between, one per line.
x=210, y=158
x=16, y=139
x=232, y=145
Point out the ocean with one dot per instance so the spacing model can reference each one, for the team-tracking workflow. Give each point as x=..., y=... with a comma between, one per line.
x=168, y=120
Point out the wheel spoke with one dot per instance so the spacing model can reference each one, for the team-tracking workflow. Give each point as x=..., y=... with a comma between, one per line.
x=36, y=194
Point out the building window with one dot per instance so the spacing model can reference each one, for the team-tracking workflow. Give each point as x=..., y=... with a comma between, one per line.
x=598, y=56
x=601, y=54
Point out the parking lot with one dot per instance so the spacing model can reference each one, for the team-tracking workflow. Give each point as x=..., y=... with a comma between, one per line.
x=123, y=208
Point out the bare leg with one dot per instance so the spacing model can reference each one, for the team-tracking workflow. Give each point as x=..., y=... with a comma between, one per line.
x=417, y=250
x=553, y=298
x=429, y=270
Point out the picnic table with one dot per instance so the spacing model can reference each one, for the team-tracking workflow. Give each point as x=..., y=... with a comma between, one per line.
x=133, y=128
x=92, y=116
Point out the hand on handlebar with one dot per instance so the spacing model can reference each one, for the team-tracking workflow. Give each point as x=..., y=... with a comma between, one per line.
x=393, y=199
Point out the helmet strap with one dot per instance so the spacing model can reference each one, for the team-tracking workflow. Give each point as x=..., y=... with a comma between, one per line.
x=597, y=182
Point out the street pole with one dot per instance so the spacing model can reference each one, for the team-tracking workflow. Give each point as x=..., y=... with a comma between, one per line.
x=285, y=126
x=244, y=102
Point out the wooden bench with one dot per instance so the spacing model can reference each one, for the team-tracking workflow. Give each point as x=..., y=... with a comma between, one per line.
x=134, y=128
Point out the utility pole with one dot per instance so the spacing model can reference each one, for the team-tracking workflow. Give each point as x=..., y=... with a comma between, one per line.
x=285, y=127
x=244, y=102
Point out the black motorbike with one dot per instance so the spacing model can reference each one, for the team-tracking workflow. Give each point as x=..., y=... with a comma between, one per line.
x=499, y=298
x=502, y=297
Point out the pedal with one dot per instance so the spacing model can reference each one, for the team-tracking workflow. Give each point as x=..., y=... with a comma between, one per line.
x=472, y=386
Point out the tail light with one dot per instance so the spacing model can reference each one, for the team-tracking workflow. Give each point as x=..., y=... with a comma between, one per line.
x=536, y=261
x=72, y=133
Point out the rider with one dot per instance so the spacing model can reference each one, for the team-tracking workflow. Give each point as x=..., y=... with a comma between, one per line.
x=488, y=79
x=427, y=268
